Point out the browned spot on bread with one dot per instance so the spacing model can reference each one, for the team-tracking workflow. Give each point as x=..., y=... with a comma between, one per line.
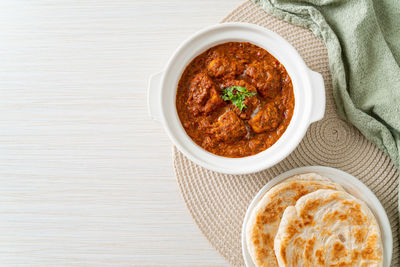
x=268, y=240
x=312, y=205
x=338, y=251
x=325, y=232
x=307, y=219
x=334, y=216
x=292, y=230
x=283, y=254
x=271, y=213
x=368, y=253
x=320, y=257
x=298, y=241
x=295, y=259
x=261, y=253
x=355, y=255
x=309, y=249
x=356, y=215
x=254, y=237
x=360, y=235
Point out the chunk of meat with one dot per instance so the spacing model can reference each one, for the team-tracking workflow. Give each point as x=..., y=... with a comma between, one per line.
x=229, y=128
x=267, y=119
x=203, y=97
x=213, y=102
x=265, y=77
x=200, y=88
x=222, y=66
x=250, y=102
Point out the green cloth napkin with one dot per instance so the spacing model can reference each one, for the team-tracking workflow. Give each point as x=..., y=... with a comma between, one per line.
x=363, y=41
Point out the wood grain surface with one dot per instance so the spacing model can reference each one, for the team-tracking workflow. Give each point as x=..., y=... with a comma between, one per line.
x=86, y=177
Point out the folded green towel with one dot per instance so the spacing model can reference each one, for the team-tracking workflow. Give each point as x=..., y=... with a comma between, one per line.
x=363, y=41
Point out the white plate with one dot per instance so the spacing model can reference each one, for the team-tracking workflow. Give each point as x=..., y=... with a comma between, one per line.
x=351, y=184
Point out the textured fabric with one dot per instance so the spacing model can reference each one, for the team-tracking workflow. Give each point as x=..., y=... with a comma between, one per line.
x=218, y=202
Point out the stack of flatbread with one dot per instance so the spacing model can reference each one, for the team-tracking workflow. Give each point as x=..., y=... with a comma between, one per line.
x=308, y=220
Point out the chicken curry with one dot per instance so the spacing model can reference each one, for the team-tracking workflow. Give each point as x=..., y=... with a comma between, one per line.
x=235, y=99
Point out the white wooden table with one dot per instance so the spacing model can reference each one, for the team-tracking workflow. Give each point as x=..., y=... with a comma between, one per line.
x=86, y=177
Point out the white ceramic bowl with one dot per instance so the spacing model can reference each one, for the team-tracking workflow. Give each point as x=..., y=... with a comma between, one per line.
x=351, y=184
x=308, y=87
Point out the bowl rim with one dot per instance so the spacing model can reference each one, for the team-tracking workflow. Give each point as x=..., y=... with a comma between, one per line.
x=282, y=147
x=350, y=184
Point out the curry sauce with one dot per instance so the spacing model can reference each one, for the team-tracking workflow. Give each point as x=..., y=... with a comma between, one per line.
x=224, y=127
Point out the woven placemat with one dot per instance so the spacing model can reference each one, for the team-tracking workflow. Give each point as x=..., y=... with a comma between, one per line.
x=218, y=202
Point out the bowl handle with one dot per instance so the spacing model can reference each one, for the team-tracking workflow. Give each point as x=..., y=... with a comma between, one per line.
x=318, y=89
x=154, y=96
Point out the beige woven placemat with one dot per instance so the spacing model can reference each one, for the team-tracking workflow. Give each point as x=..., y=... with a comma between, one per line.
x=218, y=202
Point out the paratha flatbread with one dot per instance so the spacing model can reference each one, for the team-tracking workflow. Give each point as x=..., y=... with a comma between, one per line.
x=328, y=228
x=264, y=220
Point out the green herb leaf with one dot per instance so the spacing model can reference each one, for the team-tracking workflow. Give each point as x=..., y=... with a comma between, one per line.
x=237, y=95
